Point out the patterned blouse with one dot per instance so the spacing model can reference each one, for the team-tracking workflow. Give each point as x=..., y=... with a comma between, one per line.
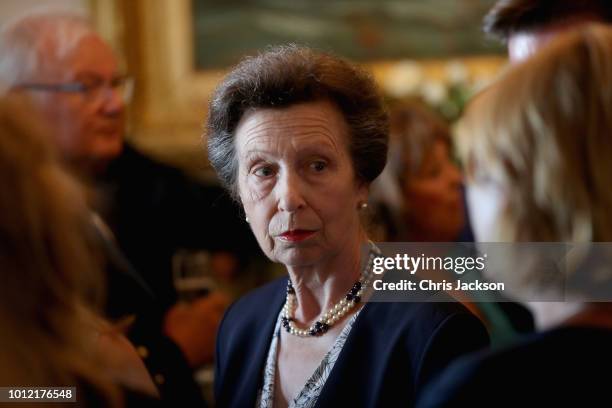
x=308, y=396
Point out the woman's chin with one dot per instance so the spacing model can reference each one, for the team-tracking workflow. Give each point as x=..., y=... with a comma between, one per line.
x=298, y=256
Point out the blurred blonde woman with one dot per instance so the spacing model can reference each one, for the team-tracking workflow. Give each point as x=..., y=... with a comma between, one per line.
x=538, y=152
x=51, y=335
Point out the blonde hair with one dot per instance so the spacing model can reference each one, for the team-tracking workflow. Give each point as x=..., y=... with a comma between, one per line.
x=50, y=284
x=543, y=132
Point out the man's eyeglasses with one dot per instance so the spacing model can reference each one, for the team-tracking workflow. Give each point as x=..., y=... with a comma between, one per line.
x=92, y=89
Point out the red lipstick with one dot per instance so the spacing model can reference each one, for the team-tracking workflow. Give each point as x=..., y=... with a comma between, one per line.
x=296, y=235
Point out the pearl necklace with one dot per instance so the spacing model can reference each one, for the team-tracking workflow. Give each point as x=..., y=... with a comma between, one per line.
x=337, y=312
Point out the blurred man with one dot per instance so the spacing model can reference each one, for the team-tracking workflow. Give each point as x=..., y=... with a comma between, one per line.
x=526, y=25
x=153, y=210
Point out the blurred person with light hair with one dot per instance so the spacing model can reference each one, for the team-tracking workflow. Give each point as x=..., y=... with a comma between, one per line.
x=537, y=150
x=74, y=80
x=52, y=286
x=527, y=25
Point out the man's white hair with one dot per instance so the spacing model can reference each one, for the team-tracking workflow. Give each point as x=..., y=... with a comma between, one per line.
x=33, y=41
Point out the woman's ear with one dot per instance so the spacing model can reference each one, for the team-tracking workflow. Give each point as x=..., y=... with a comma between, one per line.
x=363, y=192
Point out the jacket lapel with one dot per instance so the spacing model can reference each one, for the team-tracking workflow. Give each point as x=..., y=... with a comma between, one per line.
x=253, y=369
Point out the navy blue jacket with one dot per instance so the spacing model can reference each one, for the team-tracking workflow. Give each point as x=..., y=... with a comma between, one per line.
x=392, y=351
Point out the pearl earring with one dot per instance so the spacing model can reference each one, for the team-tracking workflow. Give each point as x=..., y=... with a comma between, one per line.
x=246, y=219
x=363, y=205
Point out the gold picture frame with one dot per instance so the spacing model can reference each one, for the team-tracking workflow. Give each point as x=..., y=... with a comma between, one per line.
x=169, y=107
x=156, y=39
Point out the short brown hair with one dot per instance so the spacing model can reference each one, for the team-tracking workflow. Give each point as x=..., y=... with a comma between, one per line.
x=510, y=16
x=287, y=75
x=414, y=129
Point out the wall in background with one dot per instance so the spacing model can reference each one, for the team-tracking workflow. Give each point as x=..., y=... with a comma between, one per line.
x=362, y=30
x=12, y=8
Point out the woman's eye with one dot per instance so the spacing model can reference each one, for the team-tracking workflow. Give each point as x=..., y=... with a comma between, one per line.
x=264, y=171
x=318, y=166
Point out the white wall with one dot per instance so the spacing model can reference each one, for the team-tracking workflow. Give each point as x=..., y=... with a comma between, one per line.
x=11, y=8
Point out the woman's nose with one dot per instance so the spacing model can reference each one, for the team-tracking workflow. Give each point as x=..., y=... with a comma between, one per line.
x=454, y=175
x=290, y=197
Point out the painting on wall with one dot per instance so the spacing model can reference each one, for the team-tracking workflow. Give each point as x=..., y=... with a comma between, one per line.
x=179, y=50
x=362, y=30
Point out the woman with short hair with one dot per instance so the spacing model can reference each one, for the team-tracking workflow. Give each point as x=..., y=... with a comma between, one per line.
x=297, y=137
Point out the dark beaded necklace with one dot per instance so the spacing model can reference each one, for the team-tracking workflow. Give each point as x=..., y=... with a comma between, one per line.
x=329, y=318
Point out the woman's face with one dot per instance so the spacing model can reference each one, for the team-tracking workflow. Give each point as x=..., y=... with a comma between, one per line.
x=434, y=197
x=297, y=183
